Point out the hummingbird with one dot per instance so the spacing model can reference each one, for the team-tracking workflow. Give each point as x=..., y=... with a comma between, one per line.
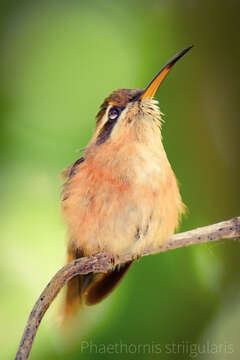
x=121, y=197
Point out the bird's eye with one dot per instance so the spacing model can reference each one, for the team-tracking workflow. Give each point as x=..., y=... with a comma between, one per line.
x=113, y=113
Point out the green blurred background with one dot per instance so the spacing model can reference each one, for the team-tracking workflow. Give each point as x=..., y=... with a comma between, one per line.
x=58, y=61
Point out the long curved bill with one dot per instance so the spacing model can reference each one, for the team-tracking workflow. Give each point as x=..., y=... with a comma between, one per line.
x=152, y=87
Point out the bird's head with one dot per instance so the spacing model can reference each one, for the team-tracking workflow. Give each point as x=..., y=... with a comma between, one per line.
x=126, y=110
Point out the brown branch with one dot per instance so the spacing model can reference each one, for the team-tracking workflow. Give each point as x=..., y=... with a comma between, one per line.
x=229, y=229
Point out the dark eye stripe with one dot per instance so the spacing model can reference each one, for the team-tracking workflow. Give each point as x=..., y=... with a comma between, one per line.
x=109, y=125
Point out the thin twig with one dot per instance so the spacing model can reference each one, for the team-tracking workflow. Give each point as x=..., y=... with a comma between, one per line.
x=229, y=229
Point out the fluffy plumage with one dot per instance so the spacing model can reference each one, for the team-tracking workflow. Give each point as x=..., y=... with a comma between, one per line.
x=123, y=197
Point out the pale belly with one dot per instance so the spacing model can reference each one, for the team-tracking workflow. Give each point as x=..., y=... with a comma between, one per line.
x=119, y=216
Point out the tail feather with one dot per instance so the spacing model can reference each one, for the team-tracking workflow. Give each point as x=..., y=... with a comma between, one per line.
x=104, y=284
x=73, y=299
x=91, y=288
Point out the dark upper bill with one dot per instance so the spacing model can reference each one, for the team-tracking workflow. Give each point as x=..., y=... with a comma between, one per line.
x=152, y=87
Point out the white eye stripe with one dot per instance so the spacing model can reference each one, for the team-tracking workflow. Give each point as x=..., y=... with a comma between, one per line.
x=109, y=124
